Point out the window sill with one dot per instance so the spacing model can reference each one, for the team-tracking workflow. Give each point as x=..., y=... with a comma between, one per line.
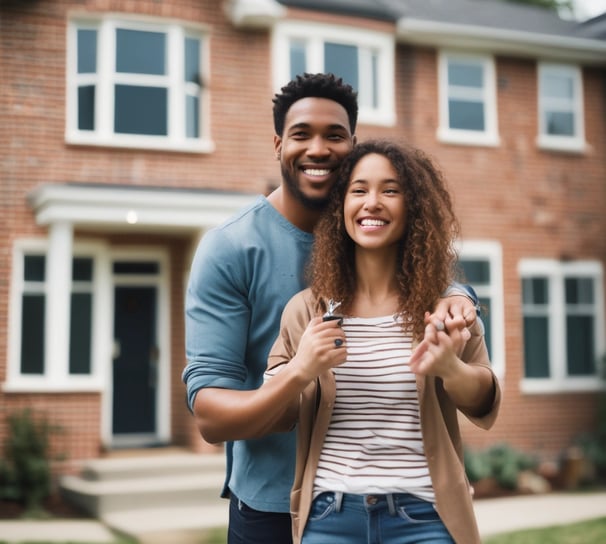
x=141, y=142
x=564, y=145
x=555, y=387
x=468, y=138
x=43, y=386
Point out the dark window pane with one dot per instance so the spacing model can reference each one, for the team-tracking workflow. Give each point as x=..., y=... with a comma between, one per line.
x=80, y=333
x=466, y=115
x=86, y=107
x=465, y=75
x=580, y=355
x=535, y=291
x=342, y=60
x=140, y=52
x=32, y=334
x=136, y=268
x=536, y=347
x=579, y=291
x=192, y=60
x=298, y=58
x=476, y=271
x=375, y=81
x=141, y=110
x=82, y=269
x=87, y=51
x=192, y=120
x=560, y=123
x=34, y=268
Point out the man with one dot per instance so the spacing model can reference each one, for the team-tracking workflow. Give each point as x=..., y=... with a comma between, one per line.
x=242, y=275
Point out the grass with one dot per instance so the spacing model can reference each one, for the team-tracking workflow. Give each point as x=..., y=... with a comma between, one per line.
x=586, y=532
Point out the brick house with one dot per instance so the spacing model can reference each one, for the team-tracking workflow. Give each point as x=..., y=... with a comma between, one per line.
x=131, y=128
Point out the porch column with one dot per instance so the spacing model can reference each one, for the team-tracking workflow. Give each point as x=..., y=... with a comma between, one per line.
x=58, y=301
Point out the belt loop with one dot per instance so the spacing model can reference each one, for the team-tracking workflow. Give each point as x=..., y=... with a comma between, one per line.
x=391, y=504
x=338, y=501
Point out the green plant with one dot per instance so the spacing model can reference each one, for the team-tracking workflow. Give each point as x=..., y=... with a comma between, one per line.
x=25, y=469
x=500, y=462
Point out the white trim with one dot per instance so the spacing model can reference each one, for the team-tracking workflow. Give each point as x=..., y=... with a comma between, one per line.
x=492, y=252
x=314, y=35
x=487, y=96
x=253, y=13
x=576, y=142
x=162, y=282
x=105, y=77
x=132, y=210
x=556, y=271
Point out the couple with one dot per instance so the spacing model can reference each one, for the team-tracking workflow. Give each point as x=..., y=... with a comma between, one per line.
x=376, y=422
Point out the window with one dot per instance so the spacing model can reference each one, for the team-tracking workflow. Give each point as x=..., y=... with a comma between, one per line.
x=563, y=316
x=468, y=112
x=136, y=85
x=30, y=367
x=560, y=107
x=364, y=59
x=481, y=265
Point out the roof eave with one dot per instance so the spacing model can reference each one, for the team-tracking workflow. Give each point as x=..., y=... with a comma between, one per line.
x=501, y=41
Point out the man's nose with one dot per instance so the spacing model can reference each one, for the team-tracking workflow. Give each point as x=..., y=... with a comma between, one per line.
x=318, y=147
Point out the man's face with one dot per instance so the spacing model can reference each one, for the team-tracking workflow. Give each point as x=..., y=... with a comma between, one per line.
x=316, y=139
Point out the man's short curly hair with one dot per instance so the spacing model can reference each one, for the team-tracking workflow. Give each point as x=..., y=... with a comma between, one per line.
x=316, y=86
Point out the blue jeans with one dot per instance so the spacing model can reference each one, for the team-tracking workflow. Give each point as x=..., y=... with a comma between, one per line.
x=250, y=526
x=396, y=518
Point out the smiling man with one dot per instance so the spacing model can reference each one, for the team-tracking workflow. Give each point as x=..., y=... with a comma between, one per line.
x=243, y=274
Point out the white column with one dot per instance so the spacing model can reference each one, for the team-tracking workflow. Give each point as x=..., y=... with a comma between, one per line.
x=57, y=317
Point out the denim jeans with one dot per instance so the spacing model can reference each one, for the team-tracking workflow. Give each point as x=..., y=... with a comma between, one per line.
x=397, y=518
x=249, y=526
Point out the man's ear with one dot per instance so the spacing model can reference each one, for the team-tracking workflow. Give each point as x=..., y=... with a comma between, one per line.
x=277, y=145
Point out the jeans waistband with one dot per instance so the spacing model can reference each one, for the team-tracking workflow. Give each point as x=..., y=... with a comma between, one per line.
x=369, y=500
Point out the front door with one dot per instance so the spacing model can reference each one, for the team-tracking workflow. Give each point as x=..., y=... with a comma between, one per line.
x=135, y=364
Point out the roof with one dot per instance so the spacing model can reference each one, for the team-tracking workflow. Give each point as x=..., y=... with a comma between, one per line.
x=489, y=25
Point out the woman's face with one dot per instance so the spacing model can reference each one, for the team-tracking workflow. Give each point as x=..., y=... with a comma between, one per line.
x=374, y=209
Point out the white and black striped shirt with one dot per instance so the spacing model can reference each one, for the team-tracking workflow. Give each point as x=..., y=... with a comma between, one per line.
x=374, y=443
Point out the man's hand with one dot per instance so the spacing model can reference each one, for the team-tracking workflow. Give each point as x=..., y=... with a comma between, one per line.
x=453, y=306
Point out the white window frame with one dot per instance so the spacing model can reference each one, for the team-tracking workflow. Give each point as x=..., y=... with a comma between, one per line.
x=556, y=272
x=55, y=379
x=487, y=96
x=491, y=252
x=106, y=77
x=314, y=35
x=575, y=106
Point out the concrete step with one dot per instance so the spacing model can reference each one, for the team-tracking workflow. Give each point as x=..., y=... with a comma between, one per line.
x=151, y=494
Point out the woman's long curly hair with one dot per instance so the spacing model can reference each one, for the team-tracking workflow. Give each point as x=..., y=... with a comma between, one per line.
x=427, y=255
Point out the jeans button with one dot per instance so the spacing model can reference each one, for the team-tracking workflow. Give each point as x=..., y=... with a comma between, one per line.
x=371, y=499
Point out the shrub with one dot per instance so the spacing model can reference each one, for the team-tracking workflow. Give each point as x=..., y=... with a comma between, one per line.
x=500, y=462
x=25, y=469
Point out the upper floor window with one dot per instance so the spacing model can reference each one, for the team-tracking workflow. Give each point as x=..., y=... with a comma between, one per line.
x=467, y=95
x=481, y=264
x=563, y=320
x=136, y=84
x=363, y=58
x=560, y=107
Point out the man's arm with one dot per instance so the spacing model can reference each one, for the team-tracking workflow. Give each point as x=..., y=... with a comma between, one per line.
x=459, y=300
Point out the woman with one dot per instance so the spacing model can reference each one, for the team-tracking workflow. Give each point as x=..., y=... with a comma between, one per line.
x=379, y=454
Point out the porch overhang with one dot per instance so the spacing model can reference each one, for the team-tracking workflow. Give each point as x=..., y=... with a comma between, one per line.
x=136, y=209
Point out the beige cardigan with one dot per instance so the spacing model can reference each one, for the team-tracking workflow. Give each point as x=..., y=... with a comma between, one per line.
x=440, y=429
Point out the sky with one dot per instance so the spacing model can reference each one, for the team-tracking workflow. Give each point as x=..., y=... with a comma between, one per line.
x=589, y=8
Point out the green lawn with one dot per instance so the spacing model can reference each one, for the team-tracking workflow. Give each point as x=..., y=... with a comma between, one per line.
x=587, y=532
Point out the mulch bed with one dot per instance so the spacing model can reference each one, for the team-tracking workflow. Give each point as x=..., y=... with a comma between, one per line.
x=55, y=507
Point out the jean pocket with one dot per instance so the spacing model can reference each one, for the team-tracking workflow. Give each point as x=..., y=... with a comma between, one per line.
x=418, y=512
x=322, y=506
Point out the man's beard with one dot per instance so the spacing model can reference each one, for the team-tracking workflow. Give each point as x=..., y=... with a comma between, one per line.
x=315, y=204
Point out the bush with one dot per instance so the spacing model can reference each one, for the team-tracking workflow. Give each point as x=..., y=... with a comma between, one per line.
x=500, y=462
x=25, y=469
